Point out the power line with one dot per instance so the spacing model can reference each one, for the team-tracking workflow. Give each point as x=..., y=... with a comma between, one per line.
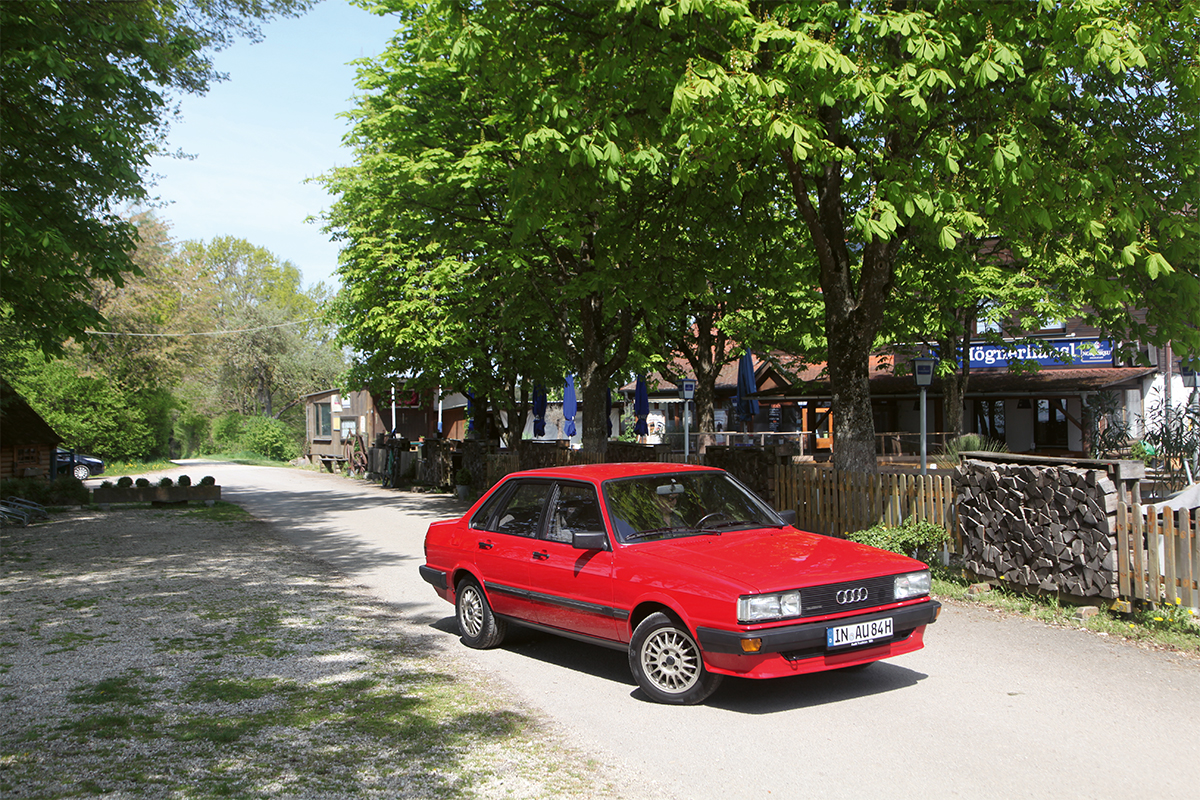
x=202, y=333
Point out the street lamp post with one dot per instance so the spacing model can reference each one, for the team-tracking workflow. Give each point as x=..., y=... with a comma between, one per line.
x=923, y=372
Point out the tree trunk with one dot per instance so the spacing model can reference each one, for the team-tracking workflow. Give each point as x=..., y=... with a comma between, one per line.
x=594, y=395
x=853, y=422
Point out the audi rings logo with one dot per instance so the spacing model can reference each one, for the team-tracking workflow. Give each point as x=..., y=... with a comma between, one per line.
x=847, y=596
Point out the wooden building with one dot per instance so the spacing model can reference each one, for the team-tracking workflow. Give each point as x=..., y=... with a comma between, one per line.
x=27, y=443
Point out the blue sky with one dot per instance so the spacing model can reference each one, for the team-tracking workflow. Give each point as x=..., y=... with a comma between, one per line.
x=257, y=136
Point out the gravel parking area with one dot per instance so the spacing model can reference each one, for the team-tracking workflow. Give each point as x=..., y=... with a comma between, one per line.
x=192, y=653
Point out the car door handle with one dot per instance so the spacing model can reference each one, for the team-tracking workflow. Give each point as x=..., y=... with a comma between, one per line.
x=486, y=545
x=542, y=556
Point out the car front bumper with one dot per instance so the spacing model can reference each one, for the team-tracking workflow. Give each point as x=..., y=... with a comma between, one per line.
x=800, y=648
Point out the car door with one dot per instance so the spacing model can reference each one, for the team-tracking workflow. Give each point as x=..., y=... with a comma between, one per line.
x=572, y=588
x=506, y=536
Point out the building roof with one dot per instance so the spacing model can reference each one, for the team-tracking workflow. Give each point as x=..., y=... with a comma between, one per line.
x=982, y=382
x=20, y=425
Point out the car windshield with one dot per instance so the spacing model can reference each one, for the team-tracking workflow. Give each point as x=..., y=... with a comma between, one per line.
x=683, y=504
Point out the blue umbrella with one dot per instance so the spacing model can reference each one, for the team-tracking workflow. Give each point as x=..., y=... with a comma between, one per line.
x=747, y=406
x=641, y=407
x=569, y=406
x=470, y=410
x=539, y=410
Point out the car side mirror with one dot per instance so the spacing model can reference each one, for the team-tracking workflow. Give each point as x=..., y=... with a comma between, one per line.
x=788, y=516
x=589, y=540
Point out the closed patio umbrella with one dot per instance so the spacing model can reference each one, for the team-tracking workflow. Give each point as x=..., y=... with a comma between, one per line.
x=569, y=406
x=539, y=410
x=641, y=407
x=747, y=405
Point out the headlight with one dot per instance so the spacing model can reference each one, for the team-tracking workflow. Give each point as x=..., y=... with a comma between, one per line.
x=765, y=607
x=914, y=584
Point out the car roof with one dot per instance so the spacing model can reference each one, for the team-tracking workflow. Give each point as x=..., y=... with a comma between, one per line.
x=604, y=472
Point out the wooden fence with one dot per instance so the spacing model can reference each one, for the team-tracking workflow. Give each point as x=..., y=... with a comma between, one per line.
x=836, y=503
x=1158, y=555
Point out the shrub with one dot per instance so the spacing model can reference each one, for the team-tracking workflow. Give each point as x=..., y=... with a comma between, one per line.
x=916, y=538
x=106, y=484
x=184, y=480
x=64, y=491
x=166, y=483
x=125, y=482
x=208, y=480
x=269, y=437
x=227, y=432
x=463, y=477
x=67, y=490
x=143, y=482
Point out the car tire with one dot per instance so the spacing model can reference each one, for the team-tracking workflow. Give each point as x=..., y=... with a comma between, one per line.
x=81, y=472
x=667, y=664
x=478, y=626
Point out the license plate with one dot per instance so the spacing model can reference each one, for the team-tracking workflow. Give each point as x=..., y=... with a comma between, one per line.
x=858, y=633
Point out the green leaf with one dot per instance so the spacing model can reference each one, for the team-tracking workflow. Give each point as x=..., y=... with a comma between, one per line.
x=948, y=238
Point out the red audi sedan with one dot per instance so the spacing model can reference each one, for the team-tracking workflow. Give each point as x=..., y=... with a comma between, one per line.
x=682, y=567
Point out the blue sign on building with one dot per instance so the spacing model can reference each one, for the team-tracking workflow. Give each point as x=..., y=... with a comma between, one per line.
x=1050, y=353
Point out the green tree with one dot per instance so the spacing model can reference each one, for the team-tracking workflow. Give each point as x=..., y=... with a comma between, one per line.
x=88, y=91
x=266, y=340
x=904, y=123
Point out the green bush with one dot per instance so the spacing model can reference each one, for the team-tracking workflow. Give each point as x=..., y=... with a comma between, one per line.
x=143, y=482
x=916, y=538
x=208, y=480
x=166, y=483
x=65, y=490
x=270, y=438
x=227, y=432
x=124, y=482
x=184, y=480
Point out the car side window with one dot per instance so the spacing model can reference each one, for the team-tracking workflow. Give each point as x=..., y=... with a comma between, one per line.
x=522, y=511
x=575, y=509
x=482, y=519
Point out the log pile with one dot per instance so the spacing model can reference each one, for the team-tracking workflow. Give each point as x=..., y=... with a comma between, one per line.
x=1045, y=527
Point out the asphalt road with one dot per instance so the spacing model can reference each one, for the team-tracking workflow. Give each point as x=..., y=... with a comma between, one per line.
x=993, y=706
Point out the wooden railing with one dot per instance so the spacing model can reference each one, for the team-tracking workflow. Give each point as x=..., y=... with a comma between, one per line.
x=836, y=503
x=1158, y=555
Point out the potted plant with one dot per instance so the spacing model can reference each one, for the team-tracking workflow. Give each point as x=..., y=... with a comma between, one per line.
x=462, y=483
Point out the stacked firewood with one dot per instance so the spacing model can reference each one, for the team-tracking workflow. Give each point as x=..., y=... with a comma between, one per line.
x=1047, y=527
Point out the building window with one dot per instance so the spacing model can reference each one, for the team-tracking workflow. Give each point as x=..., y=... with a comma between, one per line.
x=27, y=455
x=1050, y=426
x=324, y=421
x=989, y=419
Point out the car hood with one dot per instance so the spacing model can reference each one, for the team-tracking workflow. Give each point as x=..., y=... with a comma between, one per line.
x=771, y=559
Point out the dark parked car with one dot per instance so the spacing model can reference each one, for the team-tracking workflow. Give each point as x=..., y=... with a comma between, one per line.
x=85, y=466
x=681, y=567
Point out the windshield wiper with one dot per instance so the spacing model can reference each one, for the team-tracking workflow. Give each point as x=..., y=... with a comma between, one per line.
x=729, y=524
x=678, y=529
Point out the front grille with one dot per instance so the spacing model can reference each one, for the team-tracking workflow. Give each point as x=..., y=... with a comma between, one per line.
x=819, y=600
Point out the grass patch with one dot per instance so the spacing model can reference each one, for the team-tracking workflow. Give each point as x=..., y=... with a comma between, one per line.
x=136, y=468
x=1169, y=628
x=228, y=690
x=120, y=689
x=220, y=511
